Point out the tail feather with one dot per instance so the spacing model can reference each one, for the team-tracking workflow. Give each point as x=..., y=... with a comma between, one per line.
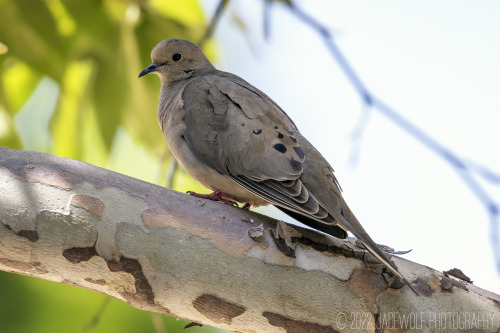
x=375, y=250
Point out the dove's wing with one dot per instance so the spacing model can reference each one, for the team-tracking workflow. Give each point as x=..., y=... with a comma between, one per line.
x=235, y=130
x=241, y=133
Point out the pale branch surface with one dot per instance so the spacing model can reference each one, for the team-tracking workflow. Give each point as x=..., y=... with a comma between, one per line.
x=159, y=250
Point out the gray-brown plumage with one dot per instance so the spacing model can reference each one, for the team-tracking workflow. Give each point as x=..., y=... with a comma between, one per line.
x=233, y=138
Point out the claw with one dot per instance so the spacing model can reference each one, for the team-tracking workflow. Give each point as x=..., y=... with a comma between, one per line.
x=215, y=196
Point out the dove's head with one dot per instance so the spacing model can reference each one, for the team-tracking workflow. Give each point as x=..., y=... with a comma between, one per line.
x=177, y=59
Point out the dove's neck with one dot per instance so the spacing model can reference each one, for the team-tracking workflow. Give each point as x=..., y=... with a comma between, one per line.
x=170, y=99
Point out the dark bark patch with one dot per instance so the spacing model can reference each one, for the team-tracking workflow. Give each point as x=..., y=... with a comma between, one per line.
x=79, y=254
x=25, y=267
x=90, y=204
x=423, y=287
x=458, y=274
x=315, y=245
x=193, y=324
x=296, y=326
x=447, y=284
x=283, y=247
x=217, y=309
x=392, y=280
x=367, y=283
x=143, y=297
x=30, y=235
x=342, y=250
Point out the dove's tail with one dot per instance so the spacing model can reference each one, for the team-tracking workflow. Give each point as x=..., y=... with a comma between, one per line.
x=375, y=250
x=356, y=229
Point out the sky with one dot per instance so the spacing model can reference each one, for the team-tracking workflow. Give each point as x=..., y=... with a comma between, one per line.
x=436, y=63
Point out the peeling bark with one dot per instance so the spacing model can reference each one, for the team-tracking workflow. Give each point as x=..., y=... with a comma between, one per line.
x=70, y=222
x=216, y=309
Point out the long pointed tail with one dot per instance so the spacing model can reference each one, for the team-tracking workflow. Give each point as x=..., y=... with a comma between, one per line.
x=374, y=250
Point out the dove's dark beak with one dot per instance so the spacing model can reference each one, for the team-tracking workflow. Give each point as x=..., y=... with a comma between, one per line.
x=149, y=69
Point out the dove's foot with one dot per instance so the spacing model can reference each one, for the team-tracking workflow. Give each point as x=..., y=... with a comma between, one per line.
x=216, y=196
x=246, y=206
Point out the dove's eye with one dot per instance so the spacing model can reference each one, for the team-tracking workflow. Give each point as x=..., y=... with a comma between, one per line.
x=176, y=56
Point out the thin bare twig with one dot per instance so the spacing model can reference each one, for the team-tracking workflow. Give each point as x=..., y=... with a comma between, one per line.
x=357, y=135
x=213, y=22
x=97, y=317
x=267, y=19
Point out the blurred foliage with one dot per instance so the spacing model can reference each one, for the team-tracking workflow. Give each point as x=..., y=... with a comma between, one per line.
x=93, y=51
x=69, y=87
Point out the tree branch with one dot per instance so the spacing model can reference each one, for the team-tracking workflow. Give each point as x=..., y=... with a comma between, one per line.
x=163, y=251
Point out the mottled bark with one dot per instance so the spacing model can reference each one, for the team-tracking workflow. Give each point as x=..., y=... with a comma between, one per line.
x=159, y=250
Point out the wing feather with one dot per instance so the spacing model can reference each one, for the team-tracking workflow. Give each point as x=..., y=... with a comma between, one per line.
x=243, y=134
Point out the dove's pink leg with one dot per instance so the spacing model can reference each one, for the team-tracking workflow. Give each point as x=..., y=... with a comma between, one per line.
x=216, y=196
x=246, y=206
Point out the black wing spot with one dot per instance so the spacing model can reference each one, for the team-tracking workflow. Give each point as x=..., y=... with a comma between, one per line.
x=280, y=136
x=257, y=132
x=275, y=127
x=293, y=139
x=299, y=152
x=242, y=124
x=296, y=165
x=280, y=147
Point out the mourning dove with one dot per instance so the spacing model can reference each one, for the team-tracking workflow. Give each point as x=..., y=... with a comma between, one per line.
x=238, y=142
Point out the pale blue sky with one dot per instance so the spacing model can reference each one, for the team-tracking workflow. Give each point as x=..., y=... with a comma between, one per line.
x=437, y=64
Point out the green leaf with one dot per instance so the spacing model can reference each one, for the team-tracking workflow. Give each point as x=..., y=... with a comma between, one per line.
x=74, y=101
x=8, y=135
x=16, y=75
x=109, y=91
x=27, y=29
